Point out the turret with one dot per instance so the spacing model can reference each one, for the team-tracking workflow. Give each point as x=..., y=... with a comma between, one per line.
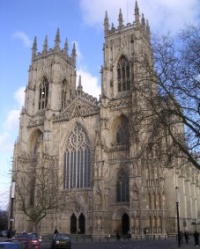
x=34, y=48
x=57, y=40
x=120, y=19
x=106, y=24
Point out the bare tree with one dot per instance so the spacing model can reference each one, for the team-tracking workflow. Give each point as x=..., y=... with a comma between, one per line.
x=169, y=86
x=38, y=187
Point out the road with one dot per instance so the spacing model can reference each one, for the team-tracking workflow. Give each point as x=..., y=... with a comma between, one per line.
x=131, y=244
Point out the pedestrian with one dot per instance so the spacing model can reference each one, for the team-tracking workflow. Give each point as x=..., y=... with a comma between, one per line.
x=56, y=231
x=129, y=236
x=196, y=238
x=9, y=234
x=118, y=236
x=186, y=235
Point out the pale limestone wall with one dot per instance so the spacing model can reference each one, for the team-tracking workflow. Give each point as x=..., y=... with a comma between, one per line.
x=152, y=202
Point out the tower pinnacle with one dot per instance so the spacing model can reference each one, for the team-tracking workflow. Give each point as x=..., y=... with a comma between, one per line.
x=57, y=40
x=74, y=53
x=34, y=48
x=120, y=19
x=137, y=15
x=106, y=24
x=79, y=87
x=66, y=46
x=45, y=46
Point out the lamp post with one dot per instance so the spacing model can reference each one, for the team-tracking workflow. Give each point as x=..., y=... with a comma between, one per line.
x=12, y=196
x=177, y=210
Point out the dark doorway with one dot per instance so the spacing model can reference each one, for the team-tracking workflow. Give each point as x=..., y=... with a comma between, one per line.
x=82, y=224
x=125, y=224
x=73, y=224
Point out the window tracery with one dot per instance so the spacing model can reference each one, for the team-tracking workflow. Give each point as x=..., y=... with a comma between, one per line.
x=123, y=74
x=77, y=159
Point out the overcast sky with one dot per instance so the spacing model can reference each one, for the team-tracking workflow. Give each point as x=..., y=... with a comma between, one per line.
x=80, y=21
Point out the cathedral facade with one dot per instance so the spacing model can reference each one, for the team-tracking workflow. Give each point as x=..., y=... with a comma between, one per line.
x=106, y=188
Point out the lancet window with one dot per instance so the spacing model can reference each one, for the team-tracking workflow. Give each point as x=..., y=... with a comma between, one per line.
x=122, y=134
x=63, y=94
x=77, y=159
x=43, y=94
x=123, y=74
x=122, y=186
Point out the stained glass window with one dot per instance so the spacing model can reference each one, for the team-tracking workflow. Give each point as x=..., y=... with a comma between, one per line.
x=77, y=159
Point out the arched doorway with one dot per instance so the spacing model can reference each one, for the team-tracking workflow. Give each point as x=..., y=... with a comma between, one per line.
x=125, y=224
x=82, y=224
x=73, y=222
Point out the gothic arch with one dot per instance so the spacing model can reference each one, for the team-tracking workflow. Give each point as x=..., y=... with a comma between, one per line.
x=43, y=94
x=123, y=74
x=117, y=215
x=120, y=130
x=35, y=141
x=65, y=93
x=67, y=131
x=122, y=186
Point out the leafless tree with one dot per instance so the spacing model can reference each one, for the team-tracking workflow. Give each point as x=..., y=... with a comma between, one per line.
x=169, y=87
x=38, y=187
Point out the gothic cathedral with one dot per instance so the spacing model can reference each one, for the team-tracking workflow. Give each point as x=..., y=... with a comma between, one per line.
x=104, y=187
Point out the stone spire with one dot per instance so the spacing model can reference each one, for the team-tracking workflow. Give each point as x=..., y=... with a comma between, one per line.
x=120, y=19
x=34, y=48
x=137, y=14
x=45, y=46
x=66, y=46
x=57, y=40
x=106, y=24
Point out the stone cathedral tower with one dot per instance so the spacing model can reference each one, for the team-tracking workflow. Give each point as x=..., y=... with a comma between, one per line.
x=105, y=188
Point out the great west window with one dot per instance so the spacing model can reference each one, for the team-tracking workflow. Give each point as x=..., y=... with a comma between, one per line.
x=77, y=159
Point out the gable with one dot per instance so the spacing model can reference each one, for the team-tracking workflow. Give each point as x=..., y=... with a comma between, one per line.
x=79, y=107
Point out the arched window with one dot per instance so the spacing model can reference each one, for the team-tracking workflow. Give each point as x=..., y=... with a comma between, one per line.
x=77, y=159
x=63, y=94
x=122, y=134
x=123, y=74
x=122, y=186
x=43, y=97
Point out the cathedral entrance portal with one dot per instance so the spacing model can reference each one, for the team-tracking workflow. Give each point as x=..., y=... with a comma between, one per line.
x=73, y=227
x=77, y=225
x=82, y=224
x=125, y=224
